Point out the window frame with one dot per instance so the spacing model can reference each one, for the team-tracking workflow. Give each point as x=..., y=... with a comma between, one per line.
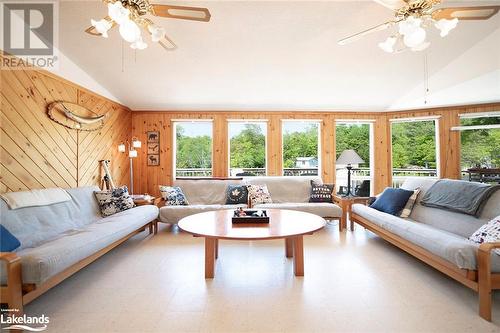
x=175, y=123
x=247, y=121
x=315, y=121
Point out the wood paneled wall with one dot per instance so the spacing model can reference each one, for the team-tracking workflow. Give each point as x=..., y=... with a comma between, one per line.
x=39, y=153
x=147, y=178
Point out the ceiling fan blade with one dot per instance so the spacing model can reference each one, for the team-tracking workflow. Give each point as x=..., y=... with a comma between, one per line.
x=391, y=4
x=466, y=13
x=92, y=30
x=167, y=44
x=361, y=34
x=182, y=12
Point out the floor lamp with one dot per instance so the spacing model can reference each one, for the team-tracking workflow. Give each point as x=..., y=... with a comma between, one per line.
x=348, y=157
x=132, y=153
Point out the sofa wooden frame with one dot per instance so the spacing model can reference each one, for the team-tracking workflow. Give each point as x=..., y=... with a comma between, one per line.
x=481, y=280
x=16, y=294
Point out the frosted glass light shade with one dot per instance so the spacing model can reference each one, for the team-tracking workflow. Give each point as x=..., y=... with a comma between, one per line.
x=129, y=31
x=139, y=44
x=117, y=12
x=132, y=153
x=415, y=38
x=409, y=25
x=157, y=33
x=102, y=26
x=388, y=44
x=121, y=147
x=136, y=143
x=445, y=26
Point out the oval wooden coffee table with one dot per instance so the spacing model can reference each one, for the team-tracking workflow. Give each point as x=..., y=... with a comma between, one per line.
x=288, y=224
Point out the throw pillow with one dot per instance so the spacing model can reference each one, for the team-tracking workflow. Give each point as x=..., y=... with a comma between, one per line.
x=173, y=196
x=392, y=200
x=321, y=192
x=410, y=203
x=236, y=194
x=114, y=201
x=490, y=232
x=8, y=242
x=259, y=194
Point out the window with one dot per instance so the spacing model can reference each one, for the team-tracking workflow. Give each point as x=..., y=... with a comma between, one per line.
x=414, y=149
x=193, y=148
x=357, y=136
x=480, y=146
x=300, y=148
x=247, y=148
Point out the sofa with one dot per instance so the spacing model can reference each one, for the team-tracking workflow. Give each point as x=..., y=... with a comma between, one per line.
x=59, y=239
x=210, y=194
x=440, y=238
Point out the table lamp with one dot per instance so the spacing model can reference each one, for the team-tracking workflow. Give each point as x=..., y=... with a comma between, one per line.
x=348, y=157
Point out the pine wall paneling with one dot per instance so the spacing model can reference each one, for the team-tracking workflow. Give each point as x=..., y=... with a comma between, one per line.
x=147, y=178
x=39, y=153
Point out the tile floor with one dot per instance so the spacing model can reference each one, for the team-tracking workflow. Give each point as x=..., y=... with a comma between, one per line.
x=354, y=282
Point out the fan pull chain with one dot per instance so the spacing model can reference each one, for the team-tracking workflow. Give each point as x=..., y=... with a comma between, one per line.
x=426, y=79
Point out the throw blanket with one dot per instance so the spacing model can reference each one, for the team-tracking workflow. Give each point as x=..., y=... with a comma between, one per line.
x=459, y=196
x=49, y=196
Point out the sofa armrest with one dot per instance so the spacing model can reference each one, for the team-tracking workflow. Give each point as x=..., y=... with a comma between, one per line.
x=488, y=247
x=12, y=294
x=484, y=278
x=9, y=257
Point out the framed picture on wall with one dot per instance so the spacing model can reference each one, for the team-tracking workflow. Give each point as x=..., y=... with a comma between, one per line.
x=153, y=136
x=153, y=148
x=153, y=159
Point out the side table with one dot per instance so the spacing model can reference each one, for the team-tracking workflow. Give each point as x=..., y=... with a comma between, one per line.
x=148, y=200
x=345, y=203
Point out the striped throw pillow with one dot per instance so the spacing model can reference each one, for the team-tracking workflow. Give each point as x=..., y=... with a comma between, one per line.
x=410, y=203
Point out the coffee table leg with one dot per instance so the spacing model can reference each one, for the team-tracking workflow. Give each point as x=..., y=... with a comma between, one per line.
x=210, y=257
x=298, y=255
x=288, y=247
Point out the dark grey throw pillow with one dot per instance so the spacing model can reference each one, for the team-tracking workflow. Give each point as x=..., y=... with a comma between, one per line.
x=321, y=192
x=114, y=201
x=236, y=194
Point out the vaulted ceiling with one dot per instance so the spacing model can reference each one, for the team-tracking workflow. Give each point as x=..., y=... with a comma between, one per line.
x=283, y=55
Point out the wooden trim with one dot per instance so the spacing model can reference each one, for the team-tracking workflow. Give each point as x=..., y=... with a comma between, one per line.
x=208, y=178
x=485, y=280
x=461, y=275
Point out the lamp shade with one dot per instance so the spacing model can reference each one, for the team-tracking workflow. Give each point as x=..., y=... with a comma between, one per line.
x=136, y=143
x=132, y=153
x=349, y=156
x=121, y=147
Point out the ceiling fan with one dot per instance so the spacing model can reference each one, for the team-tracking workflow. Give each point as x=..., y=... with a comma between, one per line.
x=130, y=16
x=413, y=16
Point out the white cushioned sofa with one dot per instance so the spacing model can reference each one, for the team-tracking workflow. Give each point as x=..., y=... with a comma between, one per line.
x=440, y=238
x=210, y=194
x=59, y=239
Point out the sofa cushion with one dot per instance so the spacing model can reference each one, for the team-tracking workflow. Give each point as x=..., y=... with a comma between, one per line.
x=205, y=191
x=173, y=195
x=449, y=246
x=8, y=242
x=43, y=262
x=114, y=201
x=488, y=233
x=457, y=223
x=321, y=192
x=392, y=200
x=172, y=214
x=286, y=189
x=34, y=226
x=236, y=194
x=258, y=194
x=322, y=209
x=409, y=204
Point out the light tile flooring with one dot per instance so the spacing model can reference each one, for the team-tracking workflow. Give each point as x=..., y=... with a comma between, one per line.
x=354, y=282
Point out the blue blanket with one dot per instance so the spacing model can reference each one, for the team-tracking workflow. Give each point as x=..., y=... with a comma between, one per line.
x=458, y=195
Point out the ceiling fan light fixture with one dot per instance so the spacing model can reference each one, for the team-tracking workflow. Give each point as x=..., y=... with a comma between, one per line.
x=445, y=26
x=415, y=38
x=157, y=33
x=130, y=31
x=117, y=12
x=421, y=47
x=409, y=25
x=139, y=44
x=102, y=26
x=388, y=44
